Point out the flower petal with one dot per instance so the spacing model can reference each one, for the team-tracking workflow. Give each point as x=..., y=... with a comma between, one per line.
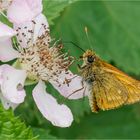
x=70, y=86
x=6, y=32
x=30, y=31
x=24, y=10
x=6, y=103
x=7, y=53
x=12, y=82
x=59, y=115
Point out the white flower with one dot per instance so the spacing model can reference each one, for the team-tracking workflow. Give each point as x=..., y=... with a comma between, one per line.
x=11, y=83
x=19, y=11
x=59, y=115
x=40, y=62
x=6, y=51
x=24, y=10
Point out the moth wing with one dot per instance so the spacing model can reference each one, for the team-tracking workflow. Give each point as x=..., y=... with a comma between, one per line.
x=107, y=93
x=133, y=88
x=114, y=88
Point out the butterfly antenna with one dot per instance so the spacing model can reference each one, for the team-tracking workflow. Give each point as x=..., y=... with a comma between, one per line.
x=74, y=44
x=89, y=41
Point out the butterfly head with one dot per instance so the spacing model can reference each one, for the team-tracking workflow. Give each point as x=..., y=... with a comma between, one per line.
x=89, y=57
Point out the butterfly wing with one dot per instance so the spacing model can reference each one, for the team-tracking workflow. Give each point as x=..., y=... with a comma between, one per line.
x=133, y=88
x=108, y=92
x=113, y=88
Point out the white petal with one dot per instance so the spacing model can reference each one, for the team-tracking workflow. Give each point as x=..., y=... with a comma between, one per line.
x=36, y=27
x=59, y=115
x=7, y=52
x=74, y=89
x=12, y=83
x=24, y=10
x=6, y=32
x=6, y=103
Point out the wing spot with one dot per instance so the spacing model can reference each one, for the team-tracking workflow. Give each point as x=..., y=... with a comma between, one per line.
x=119, y=91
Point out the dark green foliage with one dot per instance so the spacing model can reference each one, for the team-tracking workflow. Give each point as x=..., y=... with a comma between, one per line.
x=43, y=134
x=113, y=30
x=120, y=123
x=53, y=8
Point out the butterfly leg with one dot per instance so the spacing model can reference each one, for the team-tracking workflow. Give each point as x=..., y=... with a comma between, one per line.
x=90, y=79
x=81, y=67
x=78, y=90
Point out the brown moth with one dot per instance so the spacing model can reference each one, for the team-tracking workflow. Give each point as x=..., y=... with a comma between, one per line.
x=110, y=88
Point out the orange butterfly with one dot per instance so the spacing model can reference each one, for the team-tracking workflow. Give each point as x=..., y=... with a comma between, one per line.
x=109, y=87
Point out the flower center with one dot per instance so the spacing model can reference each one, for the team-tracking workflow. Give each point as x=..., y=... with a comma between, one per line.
x=42, y=61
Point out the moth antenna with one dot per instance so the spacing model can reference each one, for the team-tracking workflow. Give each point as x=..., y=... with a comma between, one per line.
x=74, y=44
x=89, y=41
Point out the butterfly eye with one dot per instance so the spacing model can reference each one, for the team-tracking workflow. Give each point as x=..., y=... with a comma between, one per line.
x=90, y=59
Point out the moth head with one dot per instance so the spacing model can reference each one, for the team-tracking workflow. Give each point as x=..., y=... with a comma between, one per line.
x=89, y=57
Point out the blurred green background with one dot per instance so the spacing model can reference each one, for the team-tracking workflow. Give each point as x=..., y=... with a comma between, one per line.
x=114, y=31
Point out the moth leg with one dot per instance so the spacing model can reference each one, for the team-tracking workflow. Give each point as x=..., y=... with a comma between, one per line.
x=84, y=88
x=77, y=90
x=80, y=67
x=90, y=79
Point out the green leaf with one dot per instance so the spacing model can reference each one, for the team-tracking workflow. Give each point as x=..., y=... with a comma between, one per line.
x=113, y=28
x=114, y=124
x=43, y=133
x=52, y=9
x=12, y=127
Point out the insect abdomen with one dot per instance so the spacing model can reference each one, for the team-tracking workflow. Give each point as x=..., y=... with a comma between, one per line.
x=93, y=103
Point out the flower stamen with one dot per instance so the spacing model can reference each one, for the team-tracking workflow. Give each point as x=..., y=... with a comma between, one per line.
x=39, y=59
